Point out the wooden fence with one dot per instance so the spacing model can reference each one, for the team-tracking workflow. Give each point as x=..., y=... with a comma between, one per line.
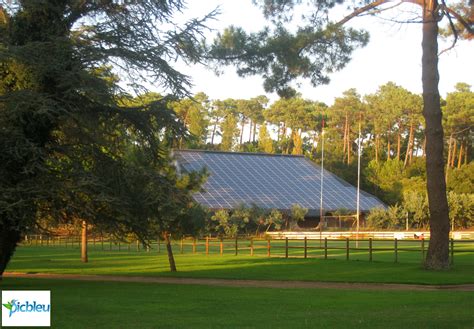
x=357, y=249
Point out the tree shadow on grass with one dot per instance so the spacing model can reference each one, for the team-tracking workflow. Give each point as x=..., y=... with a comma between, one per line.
x=228, y=266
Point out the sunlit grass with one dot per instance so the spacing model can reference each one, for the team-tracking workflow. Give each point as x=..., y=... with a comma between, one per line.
x=58, y=259
x=77, y=304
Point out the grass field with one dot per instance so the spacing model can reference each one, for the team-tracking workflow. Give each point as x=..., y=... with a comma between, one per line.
x=77, y=304
x=408, y=251
x=58, y=259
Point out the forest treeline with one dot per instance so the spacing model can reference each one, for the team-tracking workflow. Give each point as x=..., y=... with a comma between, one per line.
x=392, y=141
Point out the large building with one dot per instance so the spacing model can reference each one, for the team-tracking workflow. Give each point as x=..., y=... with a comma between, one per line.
x=270, y=181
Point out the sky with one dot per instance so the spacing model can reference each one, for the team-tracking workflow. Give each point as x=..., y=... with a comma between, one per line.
x=393, y=54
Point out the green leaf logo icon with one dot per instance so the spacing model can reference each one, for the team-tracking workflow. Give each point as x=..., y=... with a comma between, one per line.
x=9, y=305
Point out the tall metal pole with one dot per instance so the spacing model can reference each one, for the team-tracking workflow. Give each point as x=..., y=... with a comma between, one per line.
x=358, y=184
x=321, y=223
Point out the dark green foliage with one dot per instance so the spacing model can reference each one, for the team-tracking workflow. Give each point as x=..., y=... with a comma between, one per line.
x=281, y=55
x=461, y=180
x=194, y=114
x=70, y=148
x=387, y=177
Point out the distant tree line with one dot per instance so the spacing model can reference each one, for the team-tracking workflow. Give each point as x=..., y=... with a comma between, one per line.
x=392, y=139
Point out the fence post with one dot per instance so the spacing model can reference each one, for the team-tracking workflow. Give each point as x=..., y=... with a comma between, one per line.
x=129, y=245
x=268, y=247
x=347, y=248
x=286, y=247
x=396, y=250
x=452, y=251
x=221, y=247
x=422, y=251
x=159, y=244
x=207, y=245
x=102, y=241
x=251, y=246
x=236, y=245
x=110, y=244
x=138, y=246
x=325, y=248
x=194, y=245
x=370, y=249
x=181, y=249
x=119, y=245
x=305, y=247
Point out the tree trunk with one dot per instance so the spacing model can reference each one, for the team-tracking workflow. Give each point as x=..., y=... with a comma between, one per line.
x=453, y=154
x=410, y=145
x=169, y=250
x=460, y=155
x=9, y=239
x=348, y=146
x=84, y=257
x=213, y=132
x=348, y=139
x=242, y=124
x=250, y=131
x=377, y=144
x=254, y=130
x=399, y=141
x=448, y=161
x=344, y=142
x=450, y=140
x=388, y=148
x=437, y=256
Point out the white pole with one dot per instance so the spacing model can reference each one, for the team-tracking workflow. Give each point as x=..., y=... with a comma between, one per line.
x=321, y=223
x=358, y=185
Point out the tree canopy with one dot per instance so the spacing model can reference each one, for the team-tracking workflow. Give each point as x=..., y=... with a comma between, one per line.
x=72, y=146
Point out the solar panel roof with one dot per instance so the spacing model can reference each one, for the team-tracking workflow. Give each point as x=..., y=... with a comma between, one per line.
x=270, y=181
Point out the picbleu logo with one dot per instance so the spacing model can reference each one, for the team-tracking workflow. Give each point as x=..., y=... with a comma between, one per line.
x=26, y=308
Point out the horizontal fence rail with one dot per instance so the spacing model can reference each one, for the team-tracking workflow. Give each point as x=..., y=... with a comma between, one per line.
x=400, y=235
x=364, y=249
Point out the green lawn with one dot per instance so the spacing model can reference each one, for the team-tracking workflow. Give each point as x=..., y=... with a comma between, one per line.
x=55, y=259
x=77, y=304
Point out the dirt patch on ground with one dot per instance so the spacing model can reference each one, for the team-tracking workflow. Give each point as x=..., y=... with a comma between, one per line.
x=246, y=283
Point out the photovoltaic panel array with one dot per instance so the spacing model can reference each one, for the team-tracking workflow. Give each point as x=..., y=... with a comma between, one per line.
x=270, y=182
